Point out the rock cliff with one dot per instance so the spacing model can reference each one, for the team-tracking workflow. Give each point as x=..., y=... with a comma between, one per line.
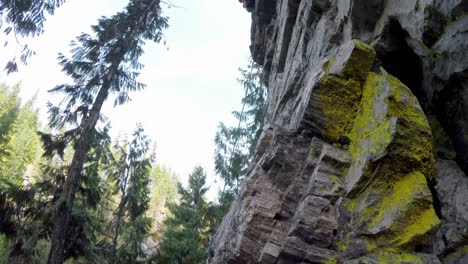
x=364, y=153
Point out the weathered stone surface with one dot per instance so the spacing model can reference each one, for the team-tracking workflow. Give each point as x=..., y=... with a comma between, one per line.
x=452, y=190
x=349, y=169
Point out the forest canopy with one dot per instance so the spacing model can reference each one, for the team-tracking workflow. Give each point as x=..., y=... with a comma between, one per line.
x=72, y=192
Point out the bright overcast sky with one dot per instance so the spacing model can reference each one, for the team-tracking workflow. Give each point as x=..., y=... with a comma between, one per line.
x=191, y=82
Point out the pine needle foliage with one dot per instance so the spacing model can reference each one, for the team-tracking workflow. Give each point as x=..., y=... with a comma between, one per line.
x=235, y=145
x=101, y=64
x=24, y=18
x=131, y=174
x=187, y=229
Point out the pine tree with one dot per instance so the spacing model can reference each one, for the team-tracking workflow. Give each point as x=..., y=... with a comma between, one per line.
x=18, y=149
x=164, y=192
x=101, y=64
x=27, y=17
x=187, y=228
x=34, y=203
x=235, y=145
x=132, y=175
x=9, y=109
x=23, y=144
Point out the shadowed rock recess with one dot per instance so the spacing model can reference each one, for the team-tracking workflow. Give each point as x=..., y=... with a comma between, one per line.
x=364, y=153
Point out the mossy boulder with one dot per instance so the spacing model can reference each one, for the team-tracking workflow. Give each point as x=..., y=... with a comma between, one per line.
x=388, y=203
x=338, y=93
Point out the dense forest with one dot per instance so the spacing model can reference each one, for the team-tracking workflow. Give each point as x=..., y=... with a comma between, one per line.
x=72, y=193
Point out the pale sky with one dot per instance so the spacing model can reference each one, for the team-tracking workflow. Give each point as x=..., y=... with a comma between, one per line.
x=191, y=82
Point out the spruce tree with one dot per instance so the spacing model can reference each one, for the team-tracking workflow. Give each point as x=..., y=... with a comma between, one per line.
x=33, y=205
x=164, y=192
x=186, y=232
x=102, y=63
x=235, y=145
x=9, y=110
x=132, y=175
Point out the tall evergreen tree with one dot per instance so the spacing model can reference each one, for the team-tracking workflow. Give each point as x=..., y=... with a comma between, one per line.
x=164, y=192
x=26, y=17
x=235, y=145
x=33, y=205
x=101, y=64
x=187, y=229
x=23, y=144
x=132, y=175
x=18, y=148
x=9, y=109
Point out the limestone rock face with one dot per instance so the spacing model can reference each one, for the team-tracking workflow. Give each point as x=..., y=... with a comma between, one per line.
x=364, y=153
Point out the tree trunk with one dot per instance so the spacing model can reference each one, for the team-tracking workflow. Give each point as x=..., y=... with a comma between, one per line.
x=123, y=202
x=64, y=208
x=117, y=227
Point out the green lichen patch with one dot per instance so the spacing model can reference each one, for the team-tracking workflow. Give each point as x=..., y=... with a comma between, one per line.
x=339, y=100
x=420, y=228
x=390, y=205
x=339, y=94
x=403, y=104
x=360, y=62
x=330, y=261
x=389, y=257
x=398, y=197
x=327, y=65
x=412, y=147
x=371, y=133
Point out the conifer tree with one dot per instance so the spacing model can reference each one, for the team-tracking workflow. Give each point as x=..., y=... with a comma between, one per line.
x=22, y=146
x=9, y=109
x=164, y=192
x=18, y=149
x=132, y=175
x=187, y=229
x=235, y=145
x=102, y=63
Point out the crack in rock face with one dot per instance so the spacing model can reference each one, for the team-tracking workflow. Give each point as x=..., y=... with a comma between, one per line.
x=363, y=156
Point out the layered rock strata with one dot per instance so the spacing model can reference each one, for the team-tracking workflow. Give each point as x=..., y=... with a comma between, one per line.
x=363, y=156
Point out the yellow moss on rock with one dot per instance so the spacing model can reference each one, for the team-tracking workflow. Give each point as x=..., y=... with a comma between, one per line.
x=420, y=226
x=339, y=94
x=388, y=136
x=391, y=138
x=339, y=101
x=370, y=135
x=414, y=141
x=360, y=61
x=330, y=261
x=389, y=257
x=327, y=65
x=400, y=196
